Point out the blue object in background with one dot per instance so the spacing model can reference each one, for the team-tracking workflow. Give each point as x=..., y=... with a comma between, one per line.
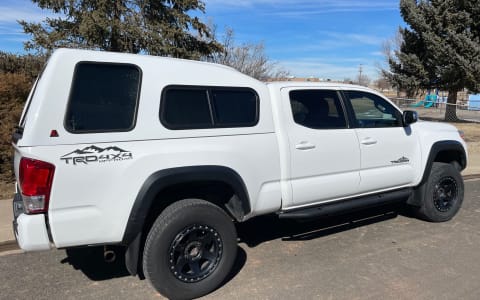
x=474, y=102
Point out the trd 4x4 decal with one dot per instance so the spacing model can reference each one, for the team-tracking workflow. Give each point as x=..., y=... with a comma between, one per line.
x=94, y=154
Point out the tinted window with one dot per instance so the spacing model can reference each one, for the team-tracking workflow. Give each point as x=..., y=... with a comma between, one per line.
x=103, y=97
x=208, y=107
x=234, y=108
x=317, y=109
x=186, y=108
x=372, y=111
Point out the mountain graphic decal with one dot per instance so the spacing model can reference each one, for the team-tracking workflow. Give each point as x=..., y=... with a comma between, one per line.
x=96, y=150
x=402, y=159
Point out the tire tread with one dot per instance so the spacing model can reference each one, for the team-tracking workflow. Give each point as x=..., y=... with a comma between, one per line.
x=427, y=211
x=163, y=221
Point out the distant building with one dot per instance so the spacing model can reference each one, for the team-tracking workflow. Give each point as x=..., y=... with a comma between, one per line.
x=474, y=102
x=303, y=79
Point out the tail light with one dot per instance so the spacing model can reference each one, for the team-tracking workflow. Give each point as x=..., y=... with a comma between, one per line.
x=35, y=177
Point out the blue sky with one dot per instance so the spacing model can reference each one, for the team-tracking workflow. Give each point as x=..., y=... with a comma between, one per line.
x=323, y=38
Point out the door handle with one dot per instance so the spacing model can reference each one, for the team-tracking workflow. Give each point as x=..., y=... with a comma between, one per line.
x=304, y=146
x=368, y=141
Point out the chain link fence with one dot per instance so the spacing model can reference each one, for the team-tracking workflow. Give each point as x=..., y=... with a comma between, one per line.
x=436, y=110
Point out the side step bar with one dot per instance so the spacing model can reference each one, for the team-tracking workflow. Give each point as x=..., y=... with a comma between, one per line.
x=346, y=206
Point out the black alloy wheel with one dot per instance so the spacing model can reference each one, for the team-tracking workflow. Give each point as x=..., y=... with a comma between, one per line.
x=445, y=194
x=195, y=253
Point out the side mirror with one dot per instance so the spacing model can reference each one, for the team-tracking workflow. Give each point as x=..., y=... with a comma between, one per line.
x=409, y=117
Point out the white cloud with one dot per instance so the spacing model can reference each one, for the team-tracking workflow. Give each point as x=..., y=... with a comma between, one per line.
x=10, y=14
x=17, y=39
x=328, y=41
x=329, y=68
x=299, y=8
x=356, y=38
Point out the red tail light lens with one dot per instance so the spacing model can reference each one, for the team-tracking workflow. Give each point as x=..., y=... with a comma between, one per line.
x=36, y=179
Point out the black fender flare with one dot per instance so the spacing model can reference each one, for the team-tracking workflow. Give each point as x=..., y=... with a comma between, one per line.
x=162, y=179
x=437, y=147
x=440, y=146
x=238, y=206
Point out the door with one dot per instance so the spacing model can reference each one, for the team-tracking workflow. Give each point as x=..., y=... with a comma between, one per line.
x=389, y=151
x=324, y=151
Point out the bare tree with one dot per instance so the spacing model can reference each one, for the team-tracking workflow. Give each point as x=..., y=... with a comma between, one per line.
x=392, y=45
x=248, y=58
x=382, y=84
x=363, y=80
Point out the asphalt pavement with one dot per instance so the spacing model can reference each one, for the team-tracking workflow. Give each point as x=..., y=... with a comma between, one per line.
x=381, y=254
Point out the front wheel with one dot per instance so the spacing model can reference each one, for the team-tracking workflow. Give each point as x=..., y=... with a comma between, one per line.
x=444, y=193
x=190, y=249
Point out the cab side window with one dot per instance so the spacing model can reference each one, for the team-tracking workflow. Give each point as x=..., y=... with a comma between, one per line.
x=372, y=111
x=206, y=107
x=317, y=109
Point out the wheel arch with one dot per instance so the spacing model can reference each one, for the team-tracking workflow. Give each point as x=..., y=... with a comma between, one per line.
x=161, y=181
x=448, y=151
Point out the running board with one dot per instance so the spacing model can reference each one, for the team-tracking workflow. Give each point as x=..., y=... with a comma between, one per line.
x=346, y=206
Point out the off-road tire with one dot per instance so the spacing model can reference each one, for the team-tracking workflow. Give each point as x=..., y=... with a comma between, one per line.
x=195, y=231
x=443, y=193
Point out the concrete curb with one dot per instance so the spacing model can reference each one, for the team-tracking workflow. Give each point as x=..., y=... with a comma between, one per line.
x=12, y=245
x=471, y=176
x=8, y=246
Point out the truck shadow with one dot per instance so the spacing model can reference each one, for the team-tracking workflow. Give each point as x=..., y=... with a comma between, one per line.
x=270, y=227
x=90, y=261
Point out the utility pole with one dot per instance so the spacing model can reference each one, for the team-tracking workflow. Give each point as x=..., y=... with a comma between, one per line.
x=360, y=69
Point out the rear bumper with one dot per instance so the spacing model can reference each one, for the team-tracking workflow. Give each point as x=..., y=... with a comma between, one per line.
x=30, y=230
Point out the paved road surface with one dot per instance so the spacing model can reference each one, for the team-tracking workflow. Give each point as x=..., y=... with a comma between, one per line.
x=379, y=255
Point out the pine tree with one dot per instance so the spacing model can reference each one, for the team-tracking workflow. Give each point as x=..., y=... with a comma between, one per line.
x=440, y=48
x=162, y=27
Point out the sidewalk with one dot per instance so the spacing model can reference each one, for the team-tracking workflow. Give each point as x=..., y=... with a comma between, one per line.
x=6, y=218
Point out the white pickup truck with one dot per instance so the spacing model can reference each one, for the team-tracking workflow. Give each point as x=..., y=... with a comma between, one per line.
x=164, y=156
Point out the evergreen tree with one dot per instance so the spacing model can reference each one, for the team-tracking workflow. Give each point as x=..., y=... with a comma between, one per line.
x=157, y=27
x=440, y=48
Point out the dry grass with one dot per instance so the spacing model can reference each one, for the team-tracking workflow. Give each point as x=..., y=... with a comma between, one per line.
x=472, y=137
x=471, y=130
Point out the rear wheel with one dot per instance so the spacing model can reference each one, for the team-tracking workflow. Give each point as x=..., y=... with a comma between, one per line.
x=190, y=249
x=444, y=193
